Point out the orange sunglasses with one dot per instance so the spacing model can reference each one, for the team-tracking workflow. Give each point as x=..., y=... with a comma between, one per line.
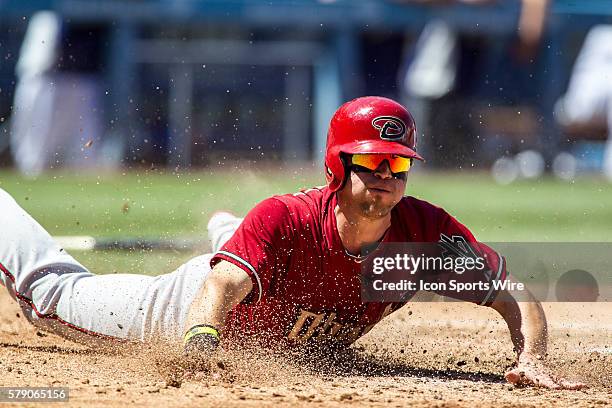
x=371, y=161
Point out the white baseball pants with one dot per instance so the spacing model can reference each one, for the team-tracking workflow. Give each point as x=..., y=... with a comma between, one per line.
x=58, y=294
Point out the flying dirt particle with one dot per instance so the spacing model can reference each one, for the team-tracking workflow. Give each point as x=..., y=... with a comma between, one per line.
x=85, y=381
x=125, y=208
x=89, y=143
x=40, y=334
x=119, y=326
x=461, y=363
x=345, y=397
x=476, y=360
x=17, y=315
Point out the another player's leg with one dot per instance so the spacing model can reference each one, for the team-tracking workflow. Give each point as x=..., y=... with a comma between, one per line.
x=58, y=294
x=221, y=227
x=135, y=307
x=32, y=264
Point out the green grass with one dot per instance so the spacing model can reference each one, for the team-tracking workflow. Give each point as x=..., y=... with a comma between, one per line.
x=155, y=205
x=545, y=210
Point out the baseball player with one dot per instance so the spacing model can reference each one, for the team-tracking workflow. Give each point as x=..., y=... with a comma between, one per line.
x=287, y=275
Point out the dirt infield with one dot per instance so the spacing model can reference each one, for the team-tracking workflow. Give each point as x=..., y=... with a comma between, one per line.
x=427, y=354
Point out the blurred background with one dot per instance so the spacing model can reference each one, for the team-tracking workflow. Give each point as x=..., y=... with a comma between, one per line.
x=514, y=86
x=139, y=118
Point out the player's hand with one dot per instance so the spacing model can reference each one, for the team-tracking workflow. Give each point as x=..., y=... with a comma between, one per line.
x=532, y=371
x=196, y=359
x=199, y=345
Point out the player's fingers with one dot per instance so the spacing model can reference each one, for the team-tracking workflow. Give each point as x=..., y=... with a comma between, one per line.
x=519, y=376
x=540, y=378
x=544, y=380
x=513, y=376
x=571, y=385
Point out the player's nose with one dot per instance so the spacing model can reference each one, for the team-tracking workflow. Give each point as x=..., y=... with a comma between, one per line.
x=383, y=170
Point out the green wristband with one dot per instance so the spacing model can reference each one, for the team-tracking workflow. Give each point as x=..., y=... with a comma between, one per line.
x=201, y=329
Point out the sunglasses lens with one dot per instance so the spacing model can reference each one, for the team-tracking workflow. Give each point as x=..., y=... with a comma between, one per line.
x=369, y=161
x=397, y=164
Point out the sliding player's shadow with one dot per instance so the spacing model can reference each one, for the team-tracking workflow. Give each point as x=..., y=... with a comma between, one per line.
x=350, y=362
x=49, y=349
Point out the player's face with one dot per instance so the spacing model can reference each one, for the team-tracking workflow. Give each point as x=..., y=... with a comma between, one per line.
x=374, y=193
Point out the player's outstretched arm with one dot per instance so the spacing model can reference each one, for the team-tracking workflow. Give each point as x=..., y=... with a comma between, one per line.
x=527, y=323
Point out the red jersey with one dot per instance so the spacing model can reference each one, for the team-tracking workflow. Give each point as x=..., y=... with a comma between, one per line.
x=306, y=288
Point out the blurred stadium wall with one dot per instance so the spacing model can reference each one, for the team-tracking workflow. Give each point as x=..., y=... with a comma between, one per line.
x=199, y=82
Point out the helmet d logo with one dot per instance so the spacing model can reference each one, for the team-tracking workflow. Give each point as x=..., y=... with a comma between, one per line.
x=390, y=127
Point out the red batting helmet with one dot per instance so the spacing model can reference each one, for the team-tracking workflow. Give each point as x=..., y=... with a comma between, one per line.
x=371, y=124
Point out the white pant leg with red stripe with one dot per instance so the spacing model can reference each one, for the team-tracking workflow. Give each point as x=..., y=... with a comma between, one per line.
x=58, y=294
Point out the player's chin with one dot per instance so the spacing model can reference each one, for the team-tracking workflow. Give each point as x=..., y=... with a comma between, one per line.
x=377, y=208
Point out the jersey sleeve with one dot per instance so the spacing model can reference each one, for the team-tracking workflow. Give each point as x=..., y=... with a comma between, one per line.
x=260, y=246
x=478, y=285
